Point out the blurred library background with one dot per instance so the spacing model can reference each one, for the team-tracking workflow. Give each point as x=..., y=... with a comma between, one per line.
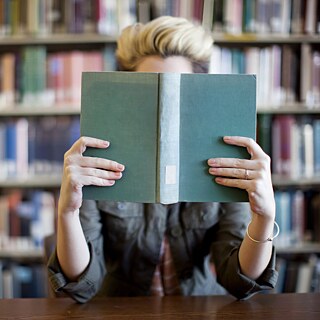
x=45, y=45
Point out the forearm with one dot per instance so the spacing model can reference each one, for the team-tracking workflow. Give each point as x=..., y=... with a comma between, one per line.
x=72, y=248
x=254, y=257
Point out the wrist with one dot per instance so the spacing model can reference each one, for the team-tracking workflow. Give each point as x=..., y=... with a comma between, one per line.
x=269, y=239
x=261, y=228
x=66, y=214
x=262, y=219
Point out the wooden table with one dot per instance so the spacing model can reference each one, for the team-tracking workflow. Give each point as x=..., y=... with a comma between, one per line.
x=261, y=306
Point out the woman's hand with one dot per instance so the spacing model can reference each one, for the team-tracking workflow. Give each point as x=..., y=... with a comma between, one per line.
x=79, y=171
x=252, y=175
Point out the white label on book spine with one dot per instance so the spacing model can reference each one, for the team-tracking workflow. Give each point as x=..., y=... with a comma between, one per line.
x=171, y=174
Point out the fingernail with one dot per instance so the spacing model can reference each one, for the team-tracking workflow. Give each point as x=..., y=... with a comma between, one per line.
x=109, y=182
x=120, y=166
x=213, y=170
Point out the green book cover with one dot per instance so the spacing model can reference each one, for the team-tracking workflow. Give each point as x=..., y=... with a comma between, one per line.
x=164, y=127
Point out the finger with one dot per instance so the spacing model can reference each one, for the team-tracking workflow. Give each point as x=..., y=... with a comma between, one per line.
x=234, y=183
x=93, y=162
x=232, y=163
x=83, y=142
x=95, y=181
x=102, y=174
x=234, y=173
x=78, y=177
x=252, y=147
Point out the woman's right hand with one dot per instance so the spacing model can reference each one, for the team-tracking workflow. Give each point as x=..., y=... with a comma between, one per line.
x=79, y=171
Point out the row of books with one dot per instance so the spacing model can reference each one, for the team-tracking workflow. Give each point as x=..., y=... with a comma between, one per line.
x=30, y=146
x=26, y=218
x=193, y=10
x=293, y=142
x=34, y=77
x=43, y=17
x=111, y=16
x=298, y=275
x=310, y=75
x=40, y=78
x=261, y=16
x=23, y=281
x=297, y=217
x=284, y=74
x=241, y=16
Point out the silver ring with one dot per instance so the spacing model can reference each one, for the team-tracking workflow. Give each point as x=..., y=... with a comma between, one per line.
x=246, y=175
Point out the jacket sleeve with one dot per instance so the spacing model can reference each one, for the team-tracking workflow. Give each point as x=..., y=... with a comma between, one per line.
x=231, y=229
x=90, y=281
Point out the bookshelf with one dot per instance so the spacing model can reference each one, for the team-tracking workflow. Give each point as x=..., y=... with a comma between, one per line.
x=284, y=55
x=40, y=40
x=243, y=35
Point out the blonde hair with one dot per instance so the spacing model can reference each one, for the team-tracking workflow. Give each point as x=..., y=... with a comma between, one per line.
x=165, y=36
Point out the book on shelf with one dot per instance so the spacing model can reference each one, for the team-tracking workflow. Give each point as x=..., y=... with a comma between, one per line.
x=7, y=88
x=281, y=264
x=311, y=16
x=314, y=213
x=34, y=17
x=164, y=127
x=276, y=68
x=306, y=74
x=261, y=16
x=316, y=137
x=264, y=132
x=291, y=276
x=10, y=151
x=35, y=146
x=298, y=275
x=282, y=151
x=143, y=11
x=23, y=280
x=26, y=218
x=34, y=77
x=306, y=272
x=284, y=218
x=298, y=217
x=294, y=141
x=298, y=13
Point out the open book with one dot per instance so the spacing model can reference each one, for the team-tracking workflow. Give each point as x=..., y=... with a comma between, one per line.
x=164, y=127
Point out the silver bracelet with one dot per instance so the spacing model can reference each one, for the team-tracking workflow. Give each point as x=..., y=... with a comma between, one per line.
x=263, y=241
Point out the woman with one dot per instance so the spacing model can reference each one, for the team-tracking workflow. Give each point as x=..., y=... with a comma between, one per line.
x=130, y=249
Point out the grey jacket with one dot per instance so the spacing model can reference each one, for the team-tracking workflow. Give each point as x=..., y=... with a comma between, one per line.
x=125, y=239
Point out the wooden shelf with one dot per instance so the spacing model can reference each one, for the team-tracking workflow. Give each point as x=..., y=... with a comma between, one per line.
x=56, y=39
x=87, y=38
x=285, y=181
x=36, y=181
x=26, y=111
x=267, y=38
x=296, y=108
x=303, y=248
x=34, y=255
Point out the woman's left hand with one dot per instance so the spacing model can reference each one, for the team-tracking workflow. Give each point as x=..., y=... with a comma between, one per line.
x=252, y=175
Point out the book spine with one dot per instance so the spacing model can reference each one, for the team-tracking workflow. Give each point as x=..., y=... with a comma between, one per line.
x=316, y=138
x=168, y=138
